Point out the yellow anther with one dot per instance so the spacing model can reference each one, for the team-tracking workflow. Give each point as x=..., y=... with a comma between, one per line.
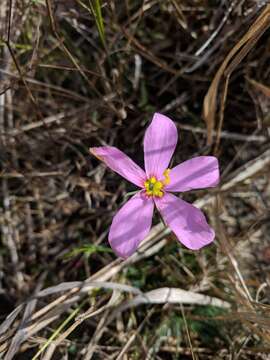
x=167, y=179
x=154, y=187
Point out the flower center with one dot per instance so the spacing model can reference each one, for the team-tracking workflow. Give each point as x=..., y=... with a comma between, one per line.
x=154, y=187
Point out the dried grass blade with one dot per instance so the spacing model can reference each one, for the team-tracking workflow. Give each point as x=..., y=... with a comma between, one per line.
x=10, y=319
x=261, y=87
x=22, y=332
x=86, y=286
x=235, y=56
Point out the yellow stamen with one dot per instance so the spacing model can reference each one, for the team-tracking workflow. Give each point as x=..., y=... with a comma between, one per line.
x=166, y=176
x=154, y=187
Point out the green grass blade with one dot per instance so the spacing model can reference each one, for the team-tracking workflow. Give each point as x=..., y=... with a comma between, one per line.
x=95, y=7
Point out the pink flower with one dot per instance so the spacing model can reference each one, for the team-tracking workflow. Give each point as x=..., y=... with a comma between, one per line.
x=133, y=221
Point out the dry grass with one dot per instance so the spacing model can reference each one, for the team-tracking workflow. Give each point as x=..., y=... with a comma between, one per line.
x=79, y=73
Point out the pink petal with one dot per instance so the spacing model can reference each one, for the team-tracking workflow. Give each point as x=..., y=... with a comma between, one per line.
x=197, y=173
x=131, y=224
x=186, y=221
x=159, y=145
x=120, y=163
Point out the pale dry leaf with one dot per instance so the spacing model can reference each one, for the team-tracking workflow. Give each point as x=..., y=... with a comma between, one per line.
x=168, y=295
